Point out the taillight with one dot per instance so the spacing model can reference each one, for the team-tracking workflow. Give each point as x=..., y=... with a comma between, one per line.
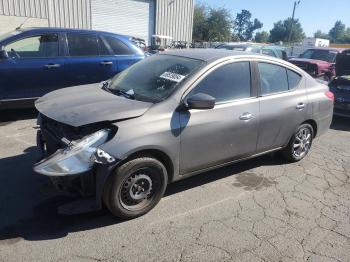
x=330, y=95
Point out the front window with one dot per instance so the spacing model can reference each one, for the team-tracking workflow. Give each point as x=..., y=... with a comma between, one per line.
x=154, y=78
x=34, y=47
x=324, y=55
x=226, y=83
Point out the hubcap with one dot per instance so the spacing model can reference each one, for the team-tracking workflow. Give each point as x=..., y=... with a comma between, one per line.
x=139, y=189
x=302, y=142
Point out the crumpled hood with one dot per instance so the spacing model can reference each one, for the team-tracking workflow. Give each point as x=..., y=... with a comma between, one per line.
x=87, y=104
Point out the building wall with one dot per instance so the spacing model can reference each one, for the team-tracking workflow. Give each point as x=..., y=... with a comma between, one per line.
x=53, y=13
x=69, y=13
x=9, y=23
x=175, y=18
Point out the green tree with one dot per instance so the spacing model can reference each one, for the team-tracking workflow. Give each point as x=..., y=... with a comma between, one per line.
x=262, y=37
x=346, y=38
x=219, y=25
x=320, y=34
x=337, y=33
x=281, y=30
x=244, y=27
x=200, y=26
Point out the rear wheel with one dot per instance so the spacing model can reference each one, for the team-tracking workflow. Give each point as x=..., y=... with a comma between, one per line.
x=136, y=187
x=300, y=143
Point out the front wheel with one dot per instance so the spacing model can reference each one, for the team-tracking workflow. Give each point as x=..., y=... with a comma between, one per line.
x=300, y=144
x=136, y=187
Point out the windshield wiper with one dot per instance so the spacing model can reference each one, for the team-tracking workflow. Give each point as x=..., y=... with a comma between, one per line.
x=123, y=93
x=105, y=86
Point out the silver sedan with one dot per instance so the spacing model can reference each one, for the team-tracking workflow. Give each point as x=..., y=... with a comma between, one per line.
x=174, y=115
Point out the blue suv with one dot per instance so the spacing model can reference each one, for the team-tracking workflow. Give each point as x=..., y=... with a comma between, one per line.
x=36, y=61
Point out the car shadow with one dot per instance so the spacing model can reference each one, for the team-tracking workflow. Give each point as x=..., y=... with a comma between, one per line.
x=29, y=202
x=340, y=123
x=8, y=116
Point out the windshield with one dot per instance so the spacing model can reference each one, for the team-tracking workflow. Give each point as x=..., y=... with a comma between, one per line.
x=154, y=78
x=324, y=55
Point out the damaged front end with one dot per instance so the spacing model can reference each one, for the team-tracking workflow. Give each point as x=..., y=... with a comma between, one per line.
x=71, y=155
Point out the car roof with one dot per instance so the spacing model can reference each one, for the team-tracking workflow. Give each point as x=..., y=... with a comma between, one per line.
x=59, y=29
x=259, y=45
x=204, y=54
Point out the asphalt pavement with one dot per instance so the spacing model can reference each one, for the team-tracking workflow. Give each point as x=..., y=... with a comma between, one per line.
x=259, y=210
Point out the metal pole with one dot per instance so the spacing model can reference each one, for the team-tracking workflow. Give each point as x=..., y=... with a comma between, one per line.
x=291, y=26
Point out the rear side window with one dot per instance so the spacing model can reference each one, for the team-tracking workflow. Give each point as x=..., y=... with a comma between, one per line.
x=273, y=78
x=228, y=82
x=118, y=47
x=82, y=45
x=293, y=79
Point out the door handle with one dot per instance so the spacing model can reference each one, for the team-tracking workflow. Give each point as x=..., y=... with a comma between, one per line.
x=300, y=106
x=106, y=63
x=246, y=116
x=52, y=66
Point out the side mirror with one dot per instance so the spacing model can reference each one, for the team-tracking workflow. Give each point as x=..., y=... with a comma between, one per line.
x=3, y=54
x=200, y=101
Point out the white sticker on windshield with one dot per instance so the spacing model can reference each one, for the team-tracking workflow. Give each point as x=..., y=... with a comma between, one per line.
x=172, y=77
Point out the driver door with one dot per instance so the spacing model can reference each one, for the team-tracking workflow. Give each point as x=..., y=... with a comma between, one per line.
x=33, y=68
x=227, y=132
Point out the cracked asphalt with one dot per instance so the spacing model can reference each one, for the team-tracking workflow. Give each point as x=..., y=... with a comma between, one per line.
x=258, y=210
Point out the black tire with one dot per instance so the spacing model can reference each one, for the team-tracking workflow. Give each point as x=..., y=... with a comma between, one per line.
x=135, y=187
x=289, y=152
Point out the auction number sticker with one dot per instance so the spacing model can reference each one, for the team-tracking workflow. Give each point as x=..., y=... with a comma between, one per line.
x=172, y=77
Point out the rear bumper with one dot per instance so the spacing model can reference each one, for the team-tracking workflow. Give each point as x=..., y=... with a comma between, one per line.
x=342, y=109
x=342, y=113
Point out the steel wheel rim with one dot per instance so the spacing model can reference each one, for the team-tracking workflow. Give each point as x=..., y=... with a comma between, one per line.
x=302, y=142
x=139, y=189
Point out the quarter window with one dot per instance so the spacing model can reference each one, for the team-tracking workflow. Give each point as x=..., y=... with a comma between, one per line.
x=118, y=47
x=39, y=46
x=229, y=82
x=293, y=79
x=273, y=78
x=82, y=45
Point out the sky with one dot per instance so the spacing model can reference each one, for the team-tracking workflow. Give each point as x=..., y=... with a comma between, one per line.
x=313, y=14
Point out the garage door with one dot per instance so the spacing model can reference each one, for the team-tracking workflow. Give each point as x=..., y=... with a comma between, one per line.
x=129, y=17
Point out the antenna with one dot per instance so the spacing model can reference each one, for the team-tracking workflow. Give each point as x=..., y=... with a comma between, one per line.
x=19, y=27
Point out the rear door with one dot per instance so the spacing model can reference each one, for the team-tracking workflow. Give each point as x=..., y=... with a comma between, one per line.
x=85, y=61
x=34, y=67
x=283, y=105
x=121, y=55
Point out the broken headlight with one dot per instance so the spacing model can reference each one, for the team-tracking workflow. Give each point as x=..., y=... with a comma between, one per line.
x=76, y=158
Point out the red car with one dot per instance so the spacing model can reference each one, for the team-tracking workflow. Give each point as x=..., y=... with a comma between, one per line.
x=318, y=62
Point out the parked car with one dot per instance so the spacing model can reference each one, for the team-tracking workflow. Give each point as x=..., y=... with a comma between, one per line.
x=270, y=50
x=174, y=115
x=340, y=85
x=36, y=61
x=318, y=62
